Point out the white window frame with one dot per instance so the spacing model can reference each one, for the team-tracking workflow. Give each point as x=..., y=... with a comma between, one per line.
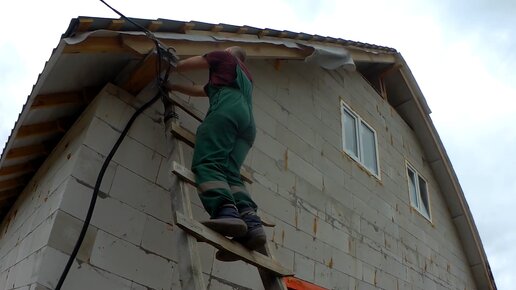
x=418, y=204
x=359, y=157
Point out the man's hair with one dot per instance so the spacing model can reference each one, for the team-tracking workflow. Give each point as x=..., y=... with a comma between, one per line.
x=237, y=51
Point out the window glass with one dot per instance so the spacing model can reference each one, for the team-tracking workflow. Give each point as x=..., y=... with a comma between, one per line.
x=368, y=147
x=412, y=188
x=424, y=197
x=350, y=133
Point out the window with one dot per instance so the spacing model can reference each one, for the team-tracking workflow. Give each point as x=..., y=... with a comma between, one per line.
x=418, y=192
x=359, y=140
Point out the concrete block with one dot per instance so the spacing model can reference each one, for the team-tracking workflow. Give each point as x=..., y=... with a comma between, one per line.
x=85, y=277
x=293, y=142
x=368, y=274
x=273, y=171
x=304, y=267
x=65, y=232
x=36, y=286
x=264, y=121
x=115, y=107
x=24, y=272
x=323, y=276
x=309, y=193
x=37, y=239
x=128, y=261
x=283, y=255
x=3, y=278
x=304, y=170
x=385, y=280
x=270, y=146
x=100, y=136
x=369, y=255
x=373, y=232
x=142, y=194
x=273, y=204
x=119, y=219
x=300, y=129
x=346, y=263
x=247, y=276
x=138, y=158
x=88, y=166
x=158, y=238
x=151, y=132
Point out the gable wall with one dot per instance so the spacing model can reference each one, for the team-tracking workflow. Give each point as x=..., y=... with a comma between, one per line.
x=336, y=225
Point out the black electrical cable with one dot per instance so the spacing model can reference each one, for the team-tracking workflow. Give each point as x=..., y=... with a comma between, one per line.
x=160, y=94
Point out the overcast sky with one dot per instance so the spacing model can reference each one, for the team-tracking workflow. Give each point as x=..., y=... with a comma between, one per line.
x=463, y=56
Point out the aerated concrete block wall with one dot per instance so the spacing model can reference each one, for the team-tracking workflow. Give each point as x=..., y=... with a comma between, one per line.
x=336, y=225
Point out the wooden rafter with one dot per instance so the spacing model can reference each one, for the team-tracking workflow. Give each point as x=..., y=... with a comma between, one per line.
x=142, y=75
x=51, y=127
x=187, y=27
x=12, y=183
x=217, y=28
x=84, y=24
x=6, y=195
x=50, y=100
x=116, y=24
x=31, y=150
x=154, y=25
x=96, y=45
x=242, y=30
x=16, y=169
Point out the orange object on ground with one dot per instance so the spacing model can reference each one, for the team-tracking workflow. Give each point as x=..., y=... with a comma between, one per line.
x=297, y=284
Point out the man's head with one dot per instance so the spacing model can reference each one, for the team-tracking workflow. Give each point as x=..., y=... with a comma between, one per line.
x=237, y=51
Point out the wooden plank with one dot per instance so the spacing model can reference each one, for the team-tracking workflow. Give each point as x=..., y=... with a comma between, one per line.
x=242, y=30
x=189, y=138
x=143, y=45
x=142, y=75
x=97, y=45
x=154, y=25
x=17, y=169
x=191, y=110
x=185, y=174
x=51, y=127
x=189, y=266
x=183, y=134
x=217, y=28
x=8, y=194
x=12, y=183
x=31, y=150
x=215, y=239
x=187, y=26
x=116, y=24
x=52, y=100
x=84, y=24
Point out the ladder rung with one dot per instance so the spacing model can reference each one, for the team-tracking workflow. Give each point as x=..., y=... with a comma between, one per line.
x=189, y=138
x=198, y=115
x=202, y=233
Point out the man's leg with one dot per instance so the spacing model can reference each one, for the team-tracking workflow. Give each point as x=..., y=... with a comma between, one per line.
x=255, y=237
x=215, y=140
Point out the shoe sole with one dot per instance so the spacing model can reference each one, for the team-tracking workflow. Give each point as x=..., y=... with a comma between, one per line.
x=229, y=227
x=255, y=243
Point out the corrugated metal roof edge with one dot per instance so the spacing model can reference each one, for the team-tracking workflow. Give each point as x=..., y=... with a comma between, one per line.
x=176, y=26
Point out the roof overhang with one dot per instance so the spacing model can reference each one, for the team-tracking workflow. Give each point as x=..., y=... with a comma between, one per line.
x=95, y=51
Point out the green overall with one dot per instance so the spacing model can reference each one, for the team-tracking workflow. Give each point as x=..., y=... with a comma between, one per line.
x=222, y=143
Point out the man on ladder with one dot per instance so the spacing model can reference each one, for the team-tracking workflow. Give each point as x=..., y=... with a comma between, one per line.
x=222, y=143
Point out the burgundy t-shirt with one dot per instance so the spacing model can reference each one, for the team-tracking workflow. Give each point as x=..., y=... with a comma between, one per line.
x=223, y=68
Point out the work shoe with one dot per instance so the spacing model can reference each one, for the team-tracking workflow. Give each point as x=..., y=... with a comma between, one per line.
x=227, y=222
x=254, y=239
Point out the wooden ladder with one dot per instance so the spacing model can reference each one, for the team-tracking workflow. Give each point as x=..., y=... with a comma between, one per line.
x=190, y=271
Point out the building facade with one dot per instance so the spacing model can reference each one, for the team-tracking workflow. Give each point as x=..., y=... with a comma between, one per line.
x=344, y=165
